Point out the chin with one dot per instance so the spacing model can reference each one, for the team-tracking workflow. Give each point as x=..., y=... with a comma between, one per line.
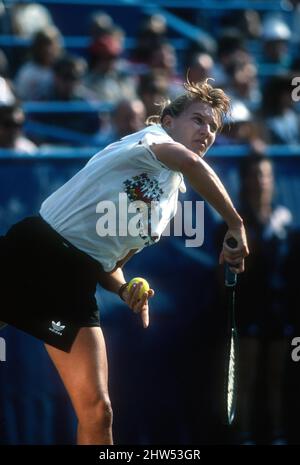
x=201, y=153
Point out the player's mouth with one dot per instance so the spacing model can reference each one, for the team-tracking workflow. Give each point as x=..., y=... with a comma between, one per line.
x=201, y=145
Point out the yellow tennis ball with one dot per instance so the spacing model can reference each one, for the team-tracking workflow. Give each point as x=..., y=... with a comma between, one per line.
x=145, y=287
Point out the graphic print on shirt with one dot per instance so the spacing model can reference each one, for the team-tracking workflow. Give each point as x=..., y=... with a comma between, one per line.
x=147, y=190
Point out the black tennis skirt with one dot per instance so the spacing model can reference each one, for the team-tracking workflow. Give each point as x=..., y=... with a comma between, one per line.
x=47, y=286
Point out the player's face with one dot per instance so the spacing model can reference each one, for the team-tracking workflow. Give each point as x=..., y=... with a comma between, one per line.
x=195, y=128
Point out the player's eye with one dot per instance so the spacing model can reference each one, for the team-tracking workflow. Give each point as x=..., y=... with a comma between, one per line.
x=198, y=120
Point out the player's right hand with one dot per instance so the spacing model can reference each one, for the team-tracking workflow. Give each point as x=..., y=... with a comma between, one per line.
x=138, y=305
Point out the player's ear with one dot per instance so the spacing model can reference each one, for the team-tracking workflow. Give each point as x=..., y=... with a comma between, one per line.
x=167, y=122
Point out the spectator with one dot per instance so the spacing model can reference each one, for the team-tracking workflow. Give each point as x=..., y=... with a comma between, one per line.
x=107, y=76
x=261, y=307
x=129, y=116
x=7, y=95
x=67, y=86
x=153, y=89
x=276, y=35
x=279, y=112
x=23, y=19
x=29, y=19
x=200, y=66
x=230, y=43
x=67, y=83
x=35, y=77
x=241, y=129
x=163, y=59
x=151, y=34
x=102, y=24
x=11, y=122
x=243, y=84
x=248, y=22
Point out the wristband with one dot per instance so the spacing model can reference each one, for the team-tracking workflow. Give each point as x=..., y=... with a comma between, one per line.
x=121, y=290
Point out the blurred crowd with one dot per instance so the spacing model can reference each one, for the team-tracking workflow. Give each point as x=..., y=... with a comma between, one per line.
x=252, y=55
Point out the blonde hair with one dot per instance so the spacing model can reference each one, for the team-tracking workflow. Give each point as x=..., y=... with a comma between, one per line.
x=195, y=92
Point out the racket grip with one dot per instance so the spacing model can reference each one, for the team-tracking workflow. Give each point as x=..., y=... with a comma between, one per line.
x=230, y=276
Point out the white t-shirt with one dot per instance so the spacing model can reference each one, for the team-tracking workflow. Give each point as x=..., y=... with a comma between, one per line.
x=97, y=207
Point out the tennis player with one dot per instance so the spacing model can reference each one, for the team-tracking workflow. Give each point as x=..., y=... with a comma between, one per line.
x=51, y=263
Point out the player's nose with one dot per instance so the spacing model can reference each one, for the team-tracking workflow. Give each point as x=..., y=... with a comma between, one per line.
x=204, y=129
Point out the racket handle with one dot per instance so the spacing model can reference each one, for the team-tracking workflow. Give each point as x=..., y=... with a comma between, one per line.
x=230, y=276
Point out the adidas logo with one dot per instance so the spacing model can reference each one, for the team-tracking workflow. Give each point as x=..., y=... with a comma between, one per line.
x=57, y=328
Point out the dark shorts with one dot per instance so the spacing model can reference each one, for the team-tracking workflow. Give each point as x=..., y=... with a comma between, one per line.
x=47, y=286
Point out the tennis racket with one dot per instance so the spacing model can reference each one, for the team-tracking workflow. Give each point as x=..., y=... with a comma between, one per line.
x=230, y=380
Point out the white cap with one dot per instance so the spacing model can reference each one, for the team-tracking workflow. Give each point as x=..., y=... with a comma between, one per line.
x=275, y=29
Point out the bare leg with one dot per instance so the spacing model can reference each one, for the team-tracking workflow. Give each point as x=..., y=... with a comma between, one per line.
x=248, y=357
x=84, y=374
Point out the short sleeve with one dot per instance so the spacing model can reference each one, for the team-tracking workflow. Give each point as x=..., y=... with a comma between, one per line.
x=157, y=135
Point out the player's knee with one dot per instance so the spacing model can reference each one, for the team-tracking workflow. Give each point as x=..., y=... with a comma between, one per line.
x=97, y=412
x=104, y=413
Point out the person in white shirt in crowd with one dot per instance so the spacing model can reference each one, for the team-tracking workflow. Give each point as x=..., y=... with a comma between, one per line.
x=58, y=257
x=35, y=76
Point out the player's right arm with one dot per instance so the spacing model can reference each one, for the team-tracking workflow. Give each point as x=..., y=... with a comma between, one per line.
x=114, y=280
x=206, y=183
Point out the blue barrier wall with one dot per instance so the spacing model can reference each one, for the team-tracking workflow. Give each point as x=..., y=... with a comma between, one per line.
x=162, y=380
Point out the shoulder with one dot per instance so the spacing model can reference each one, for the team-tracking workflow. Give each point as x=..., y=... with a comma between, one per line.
x=174, y=155
x=157, y=132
